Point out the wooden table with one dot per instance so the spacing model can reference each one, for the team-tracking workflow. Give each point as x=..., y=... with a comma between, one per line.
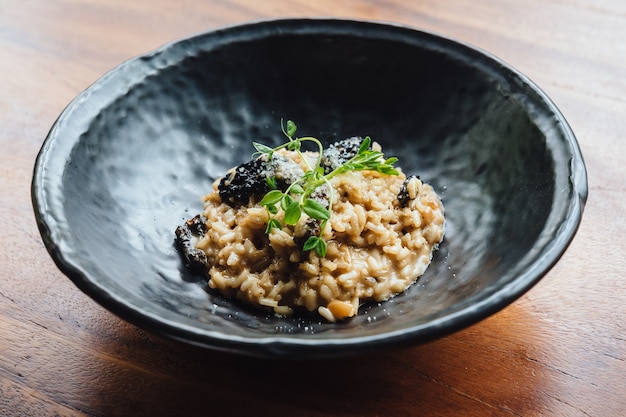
x=560, y=350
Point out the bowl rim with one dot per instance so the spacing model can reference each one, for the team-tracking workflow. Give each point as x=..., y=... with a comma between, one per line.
x=44, y=182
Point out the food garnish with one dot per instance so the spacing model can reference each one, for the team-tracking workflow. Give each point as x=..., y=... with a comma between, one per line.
x=296, y=199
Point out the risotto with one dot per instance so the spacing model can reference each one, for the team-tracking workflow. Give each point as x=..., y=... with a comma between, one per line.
x=378, y=239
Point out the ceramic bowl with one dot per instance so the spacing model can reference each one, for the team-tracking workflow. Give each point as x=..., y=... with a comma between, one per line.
x=129, y=159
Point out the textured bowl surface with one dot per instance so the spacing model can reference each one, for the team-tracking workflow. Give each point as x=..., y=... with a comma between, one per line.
x=129, y=158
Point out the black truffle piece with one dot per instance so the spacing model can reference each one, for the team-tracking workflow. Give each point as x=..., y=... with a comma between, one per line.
x=185, y=233
x=311, y=228
x=403, y=194
x=250, y=178
x=244, y=181
x=340, y=152
x=284, y=170
x=322, y=195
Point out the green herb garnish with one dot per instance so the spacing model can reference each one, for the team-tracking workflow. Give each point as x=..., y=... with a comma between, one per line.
x=296, y=199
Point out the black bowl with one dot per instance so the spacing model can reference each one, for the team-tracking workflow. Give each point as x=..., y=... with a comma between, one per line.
x=130, y=157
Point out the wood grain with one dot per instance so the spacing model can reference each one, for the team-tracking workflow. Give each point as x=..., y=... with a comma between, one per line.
x=560, y=350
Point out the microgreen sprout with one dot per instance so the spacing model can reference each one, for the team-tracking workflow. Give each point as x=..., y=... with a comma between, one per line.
x=296, y=199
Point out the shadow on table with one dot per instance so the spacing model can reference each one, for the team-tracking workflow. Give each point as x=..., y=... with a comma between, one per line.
x=489, y=368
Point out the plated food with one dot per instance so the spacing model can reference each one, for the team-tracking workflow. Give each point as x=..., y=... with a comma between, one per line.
x=315, y=231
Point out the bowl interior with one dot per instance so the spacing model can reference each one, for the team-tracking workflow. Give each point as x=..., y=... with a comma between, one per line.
x=130, y=158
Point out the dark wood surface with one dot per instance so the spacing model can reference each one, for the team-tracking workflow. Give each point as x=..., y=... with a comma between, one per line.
x=560, y=350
